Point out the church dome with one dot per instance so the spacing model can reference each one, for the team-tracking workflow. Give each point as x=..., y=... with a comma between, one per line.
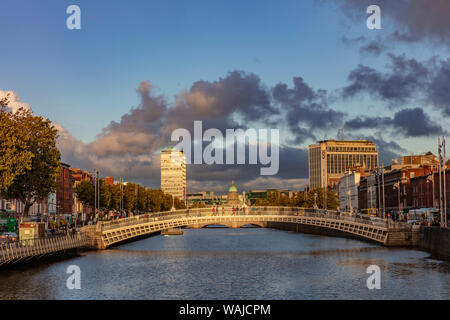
x=233, y=197
x=232, y=188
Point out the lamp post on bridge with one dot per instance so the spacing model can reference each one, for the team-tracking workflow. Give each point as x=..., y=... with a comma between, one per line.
x=397, y=186
x=315, y=200
x=431, y=179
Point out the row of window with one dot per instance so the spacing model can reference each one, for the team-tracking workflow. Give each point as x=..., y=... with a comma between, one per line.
x=338, y=163
x=314, y=167
x=351, y=149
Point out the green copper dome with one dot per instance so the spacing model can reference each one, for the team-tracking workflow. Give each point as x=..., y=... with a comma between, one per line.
x=232, y=188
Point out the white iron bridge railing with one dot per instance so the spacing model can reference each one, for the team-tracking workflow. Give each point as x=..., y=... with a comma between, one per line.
x=249, y=211
x=17, y=251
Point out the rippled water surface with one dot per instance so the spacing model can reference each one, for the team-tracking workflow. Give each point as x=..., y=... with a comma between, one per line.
x=247, y=263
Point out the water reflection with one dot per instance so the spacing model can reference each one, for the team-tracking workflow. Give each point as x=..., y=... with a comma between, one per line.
x=248, y=263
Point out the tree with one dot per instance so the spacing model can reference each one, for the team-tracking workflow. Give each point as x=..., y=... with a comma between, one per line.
x=179, y=204
x=38, y=179
x=332, y=200
x=301, y=199
x=198, y=205
x=155, y=200
x=15, y=156
x=142, y=199
x=85, y=192
x=167, y=202
x=129, y=197
x=275, y=199
x=115, y=197
x=134, y=195
x=317, y=193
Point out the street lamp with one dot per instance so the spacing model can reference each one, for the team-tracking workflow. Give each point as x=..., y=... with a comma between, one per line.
x=431, y=179
x=315, y=200
x=349, y=203
x=397, y=186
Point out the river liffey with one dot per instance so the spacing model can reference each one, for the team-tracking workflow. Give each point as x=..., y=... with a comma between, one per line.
x=246, y=263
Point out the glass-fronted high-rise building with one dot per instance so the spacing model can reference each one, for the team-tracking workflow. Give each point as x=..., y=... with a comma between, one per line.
x=328, y=160
x=173, y=173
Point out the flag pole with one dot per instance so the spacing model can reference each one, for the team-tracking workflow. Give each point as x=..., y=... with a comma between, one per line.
x=378, y=185
x=382, y=175
x=444, y=181
x=440, y=183
x=95, y=195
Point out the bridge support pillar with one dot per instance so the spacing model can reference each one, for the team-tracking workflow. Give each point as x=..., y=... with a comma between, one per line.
x=399, y=238
x=95, y=240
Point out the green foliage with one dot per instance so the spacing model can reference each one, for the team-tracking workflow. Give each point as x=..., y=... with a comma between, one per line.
x=315, y=197
x=179, y=204
x=155, y=200
x=105, y=195
x=135, y=197
x=276, y=198
x=38, y=163
x=15, y=155
x=198, y=205
x=85, y=192
x=301, y=199
x=129, y=197
x=115, y=197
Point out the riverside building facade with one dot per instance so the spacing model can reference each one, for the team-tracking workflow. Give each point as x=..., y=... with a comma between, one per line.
x=328, y=160
x=173, y=173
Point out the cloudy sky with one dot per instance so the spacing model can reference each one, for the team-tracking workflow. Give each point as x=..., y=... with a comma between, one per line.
x=137, y=70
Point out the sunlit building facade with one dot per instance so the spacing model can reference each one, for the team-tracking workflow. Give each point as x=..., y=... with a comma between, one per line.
x=173, y=173
x=328, y=160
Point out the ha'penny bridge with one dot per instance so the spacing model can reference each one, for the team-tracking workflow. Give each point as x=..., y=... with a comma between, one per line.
x=110, y=233
x=322, y=222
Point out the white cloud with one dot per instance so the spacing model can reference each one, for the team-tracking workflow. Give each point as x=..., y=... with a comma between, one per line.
x=13, y=101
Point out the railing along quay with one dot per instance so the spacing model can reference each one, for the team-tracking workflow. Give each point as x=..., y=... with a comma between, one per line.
x=20, y=251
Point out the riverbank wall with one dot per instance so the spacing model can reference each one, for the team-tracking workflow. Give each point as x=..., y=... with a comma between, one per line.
x=316, y=230
x=436, y=241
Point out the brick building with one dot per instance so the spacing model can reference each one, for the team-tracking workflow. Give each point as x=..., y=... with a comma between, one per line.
x=109, y=180
x=64, y=192
x=79, y=174
x=398, y=188
x=421, y=190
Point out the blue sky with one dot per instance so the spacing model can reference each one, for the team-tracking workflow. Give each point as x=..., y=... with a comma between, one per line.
x=84, y=79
